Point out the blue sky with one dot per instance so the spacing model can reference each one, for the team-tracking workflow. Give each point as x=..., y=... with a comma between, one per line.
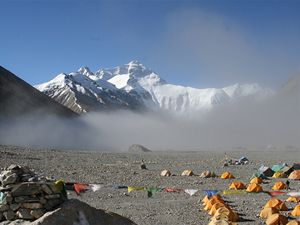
x=197, y=43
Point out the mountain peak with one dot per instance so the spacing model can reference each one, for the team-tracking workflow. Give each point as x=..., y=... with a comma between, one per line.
x=85, y=71
x=135, y=62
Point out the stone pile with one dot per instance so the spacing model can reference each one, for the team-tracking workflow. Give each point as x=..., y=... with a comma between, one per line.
x=24, y=195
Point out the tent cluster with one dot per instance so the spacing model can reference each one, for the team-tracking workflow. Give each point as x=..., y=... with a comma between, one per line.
x=233, y=161
x=279, y=171
x=204, y=174
x=219, y=210
x=252, y=187
x=271, y=212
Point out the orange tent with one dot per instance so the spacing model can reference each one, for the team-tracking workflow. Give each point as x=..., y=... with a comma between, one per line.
x=215, y=207
x=206, y=198
x=256, y=180
x=277, y=219
x=279, y=186
x=227, y=175
x=293, y=222
x=268, y=211
x=212, y=201
x=187, y=173
x=227, y=213
x=296, y=211
x=276, y=203
x=237, y=185
x=295, y=175
x=254, y=188
x=293, y=199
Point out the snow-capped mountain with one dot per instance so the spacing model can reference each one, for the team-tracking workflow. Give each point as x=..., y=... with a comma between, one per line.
x=134, y=86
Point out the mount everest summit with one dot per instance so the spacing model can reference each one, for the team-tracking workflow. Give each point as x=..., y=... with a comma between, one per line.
x=136, y=87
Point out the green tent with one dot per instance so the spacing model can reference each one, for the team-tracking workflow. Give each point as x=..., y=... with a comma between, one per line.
x=278, y=167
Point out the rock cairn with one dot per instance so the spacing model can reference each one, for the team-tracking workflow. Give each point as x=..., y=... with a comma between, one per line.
x=24, y=195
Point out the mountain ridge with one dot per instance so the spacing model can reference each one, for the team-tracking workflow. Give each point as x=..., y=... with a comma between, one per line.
x=134, y=86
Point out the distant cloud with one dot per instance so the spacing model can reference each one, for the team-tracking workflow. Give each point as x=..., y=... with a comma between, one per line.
x=209, y=47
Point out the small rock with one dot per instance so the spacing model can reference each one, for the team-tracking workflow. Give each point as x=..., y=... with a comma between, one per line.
x=22, y=199
x=4, y=208
x=25, y=189
x=35, y=205
x=15, y=206
x=37, y=213
x=24, y=214
x=53, y=196
x=9, y=215
x=46, y=189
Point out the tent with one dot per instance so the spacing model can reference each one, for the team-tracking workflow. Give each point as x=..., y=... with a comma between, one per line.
x=279, y=174
x=212, y=201
x=293, y=199
x=256, y=180
x=165, y=173
x=287, y=170
x=296, y=211
x=207, y=174
x=277, y=219
x=278, y=167
x=267, y=171
x=268, y=211
x=237, y=185
x=187, y=173
x=279, y=186
x=260, y=175
x=215, y=207
x=226, y=212
x=296, y=166
x=243, y=160
x=295, y=175
x=206, y=198
x=254, y=188
x=227, y=175
x=276, y=203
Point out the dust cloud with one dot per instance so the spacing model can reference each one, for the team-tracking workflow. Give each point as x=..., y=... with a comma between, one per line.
x=247, y=124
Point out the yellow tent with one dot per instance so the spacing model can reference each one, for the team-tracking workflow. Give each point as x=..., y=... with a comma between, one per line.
x=206, y=198
x=215, y=207
x=276, y=219
x=187, y=173
x=293, y=222
x=226, y=212
x=212, y=201
x=256, y=180
x=221, y=222
x=266, y=212
x=207, y=174
x=279, y=174
x=293, y=199
x=237, y=185
x=276, y=203
x=227, y=175
x=279, y=186
x=254, y=188
x=165, y=173
x=296, y=211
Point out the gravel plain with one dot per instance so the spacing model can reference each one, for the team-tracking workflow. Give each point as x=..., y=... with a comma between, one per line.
x=163, y=208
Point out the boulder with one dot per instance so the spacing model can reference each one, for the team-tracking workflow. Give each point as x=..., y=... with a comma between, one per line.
x=138, y=149
x=75, y=212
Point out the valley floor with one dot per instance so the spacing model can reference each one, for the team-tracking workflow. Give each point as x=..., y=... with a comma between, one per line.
x=163, y=208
